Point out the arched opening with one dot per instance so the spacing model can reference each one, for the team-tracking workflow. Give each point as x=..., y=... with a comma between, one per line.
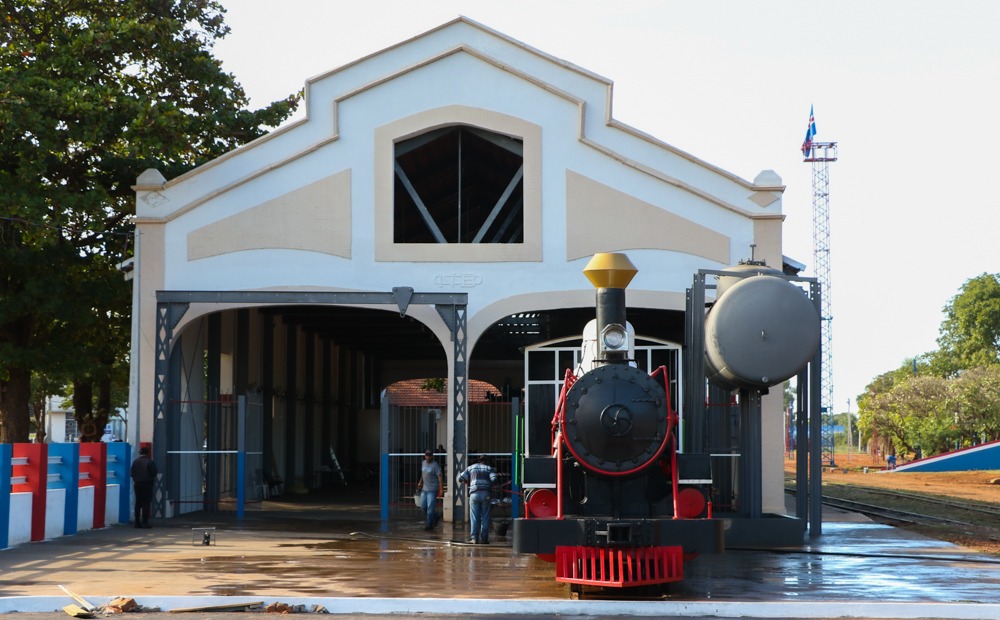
x=262, y=401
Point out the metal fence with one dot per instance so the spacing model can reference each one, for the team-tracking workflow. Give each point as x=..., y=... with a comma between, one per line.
x=414, y=429
x=218, y=458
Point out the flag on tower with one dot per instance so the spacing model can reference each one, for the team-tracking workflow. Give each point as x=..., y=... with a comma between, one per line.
x=810, y=134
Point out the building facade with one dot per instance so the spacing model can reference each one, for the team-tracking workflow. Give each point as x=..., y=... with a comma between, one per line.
x=429, y=217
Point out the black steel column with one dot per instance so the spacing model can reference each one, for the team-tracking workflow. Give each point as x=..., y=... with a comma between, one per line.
x=291, y=380
x=454, y=317
x=242, y=352
x=213, y=413
x=165, y=392
x=267, y=393
x=170, y=440
x=802, y=400
x=693, y=415
x=326, y=408
x=309, y=430
x=355, y=404
x=750, y=491
x=815, y=430
x=343, y=394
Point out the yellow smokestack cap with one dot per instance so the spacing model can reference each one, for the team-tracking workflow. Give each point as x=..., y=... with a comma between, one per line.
x=610, y=270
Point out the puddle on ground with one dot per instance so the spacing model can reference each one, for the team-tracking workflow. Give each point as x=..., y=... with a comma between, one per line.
x=371, y=562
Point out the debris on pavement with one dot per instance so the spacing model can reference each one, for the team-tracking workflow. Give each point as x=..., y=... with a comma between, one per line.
x=75, y=611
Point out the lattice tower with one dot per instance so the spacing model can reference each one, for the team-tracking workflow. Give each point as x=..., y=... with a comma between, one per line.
x=823, y=153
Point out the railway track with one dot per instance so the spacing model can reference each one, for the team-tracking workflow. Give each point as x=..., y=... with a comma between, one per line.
x=938, y=501
x=937, y=516
x=893, y=514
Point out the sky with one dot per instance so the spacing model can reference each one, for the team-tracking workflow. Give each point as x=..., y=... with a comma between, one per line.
x=906, y=89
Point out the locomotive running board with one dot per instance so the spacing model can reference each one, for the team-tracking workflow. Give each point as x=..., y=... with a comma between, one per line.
x=619, y=567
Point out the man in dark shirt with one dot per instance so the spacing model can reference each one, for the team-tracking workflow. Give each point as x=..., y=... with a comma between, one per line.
x=143, y=476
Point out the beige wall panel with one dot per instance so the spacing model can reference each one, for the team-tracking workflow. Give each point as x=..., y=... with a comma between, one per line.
x=316, y=218
x=767, y=236
x=592, y=208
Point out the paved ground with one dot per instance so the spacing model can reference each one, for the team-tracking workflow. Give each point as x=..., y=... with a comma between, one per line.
x=337, y=554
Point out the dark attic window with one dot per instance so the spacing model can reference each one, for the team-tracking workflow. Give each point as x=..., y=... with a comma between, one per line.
x=459, y=184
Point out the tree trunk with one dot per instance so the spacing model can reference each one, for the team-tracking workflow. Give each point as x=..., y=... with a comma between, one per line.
x=83, y=411
x=103, y=413
x=38, y=414
x=15, y=396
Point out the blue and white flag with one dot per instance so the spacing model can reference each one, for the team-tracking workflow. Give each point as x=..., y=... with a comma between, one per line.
x=810, y=134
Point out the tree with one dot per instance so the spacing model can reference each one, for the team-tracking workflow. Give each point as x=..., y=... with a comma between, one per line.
x=974, y=396
x=970, y=332
x=93, y=92
x=878, y=417
x=902, y=411
x=949, y=397
x=913, y=412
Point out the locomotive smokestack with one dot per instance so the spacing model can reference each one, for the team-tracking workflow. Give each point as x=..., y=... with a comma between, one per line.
x=610, y=273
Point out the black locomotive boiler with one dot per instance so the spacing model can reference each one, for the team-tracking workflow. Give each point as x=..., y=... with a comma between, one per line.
x=615, y=503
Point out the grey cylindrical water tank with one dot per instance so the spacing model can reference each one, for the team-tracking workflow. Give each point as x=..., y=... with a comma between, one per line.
x=741, y=272
x=761, y=331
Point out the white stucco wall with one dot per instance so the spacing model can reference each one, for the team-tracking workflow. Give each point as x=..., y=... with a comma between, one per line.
x=55, y=511
x=19, y=531
x=85, y=509
x=111, y=511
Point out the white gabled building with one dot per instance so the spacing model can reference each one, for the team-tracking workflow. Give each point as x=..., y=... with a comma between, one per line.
x=460, y=178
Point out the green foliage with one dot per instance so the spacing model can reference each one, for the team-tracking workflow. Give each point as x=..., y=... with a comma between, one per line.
x=970, y=332
x=434, y=385
x=93, y=92
x=902, y=411
x=946, y=398
x=975, y=397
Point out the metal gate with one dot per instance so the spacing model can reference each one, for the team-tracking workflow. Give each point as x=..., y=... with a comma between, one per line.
x=412, y=429
x=221, y=457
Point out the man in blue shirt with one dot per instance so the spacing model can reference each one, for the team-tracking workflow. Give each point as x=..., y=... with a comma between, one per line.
x=430, y=487
x=480, y=477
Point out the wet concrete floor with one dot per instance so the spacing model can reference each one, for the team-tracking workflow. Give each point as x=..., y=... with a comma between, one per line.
x=295, y=548
x=304, y=546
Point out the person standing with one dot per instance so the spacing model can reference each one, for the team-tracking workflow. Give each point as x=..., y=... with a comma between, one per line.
x=143, y=476
x=431, y=487
x=480, y=477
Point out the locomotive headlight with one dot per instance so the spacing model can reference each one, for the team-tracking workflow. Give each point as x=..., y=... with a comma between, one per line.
x=615, y=338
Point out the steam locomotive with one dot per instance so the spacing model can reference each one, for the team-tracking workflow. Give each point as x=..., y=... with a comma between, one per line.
x=616, y=504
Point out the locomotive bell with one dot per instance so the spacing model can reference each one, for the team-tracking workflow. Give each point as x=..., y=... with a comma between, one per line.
x=610, y=273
